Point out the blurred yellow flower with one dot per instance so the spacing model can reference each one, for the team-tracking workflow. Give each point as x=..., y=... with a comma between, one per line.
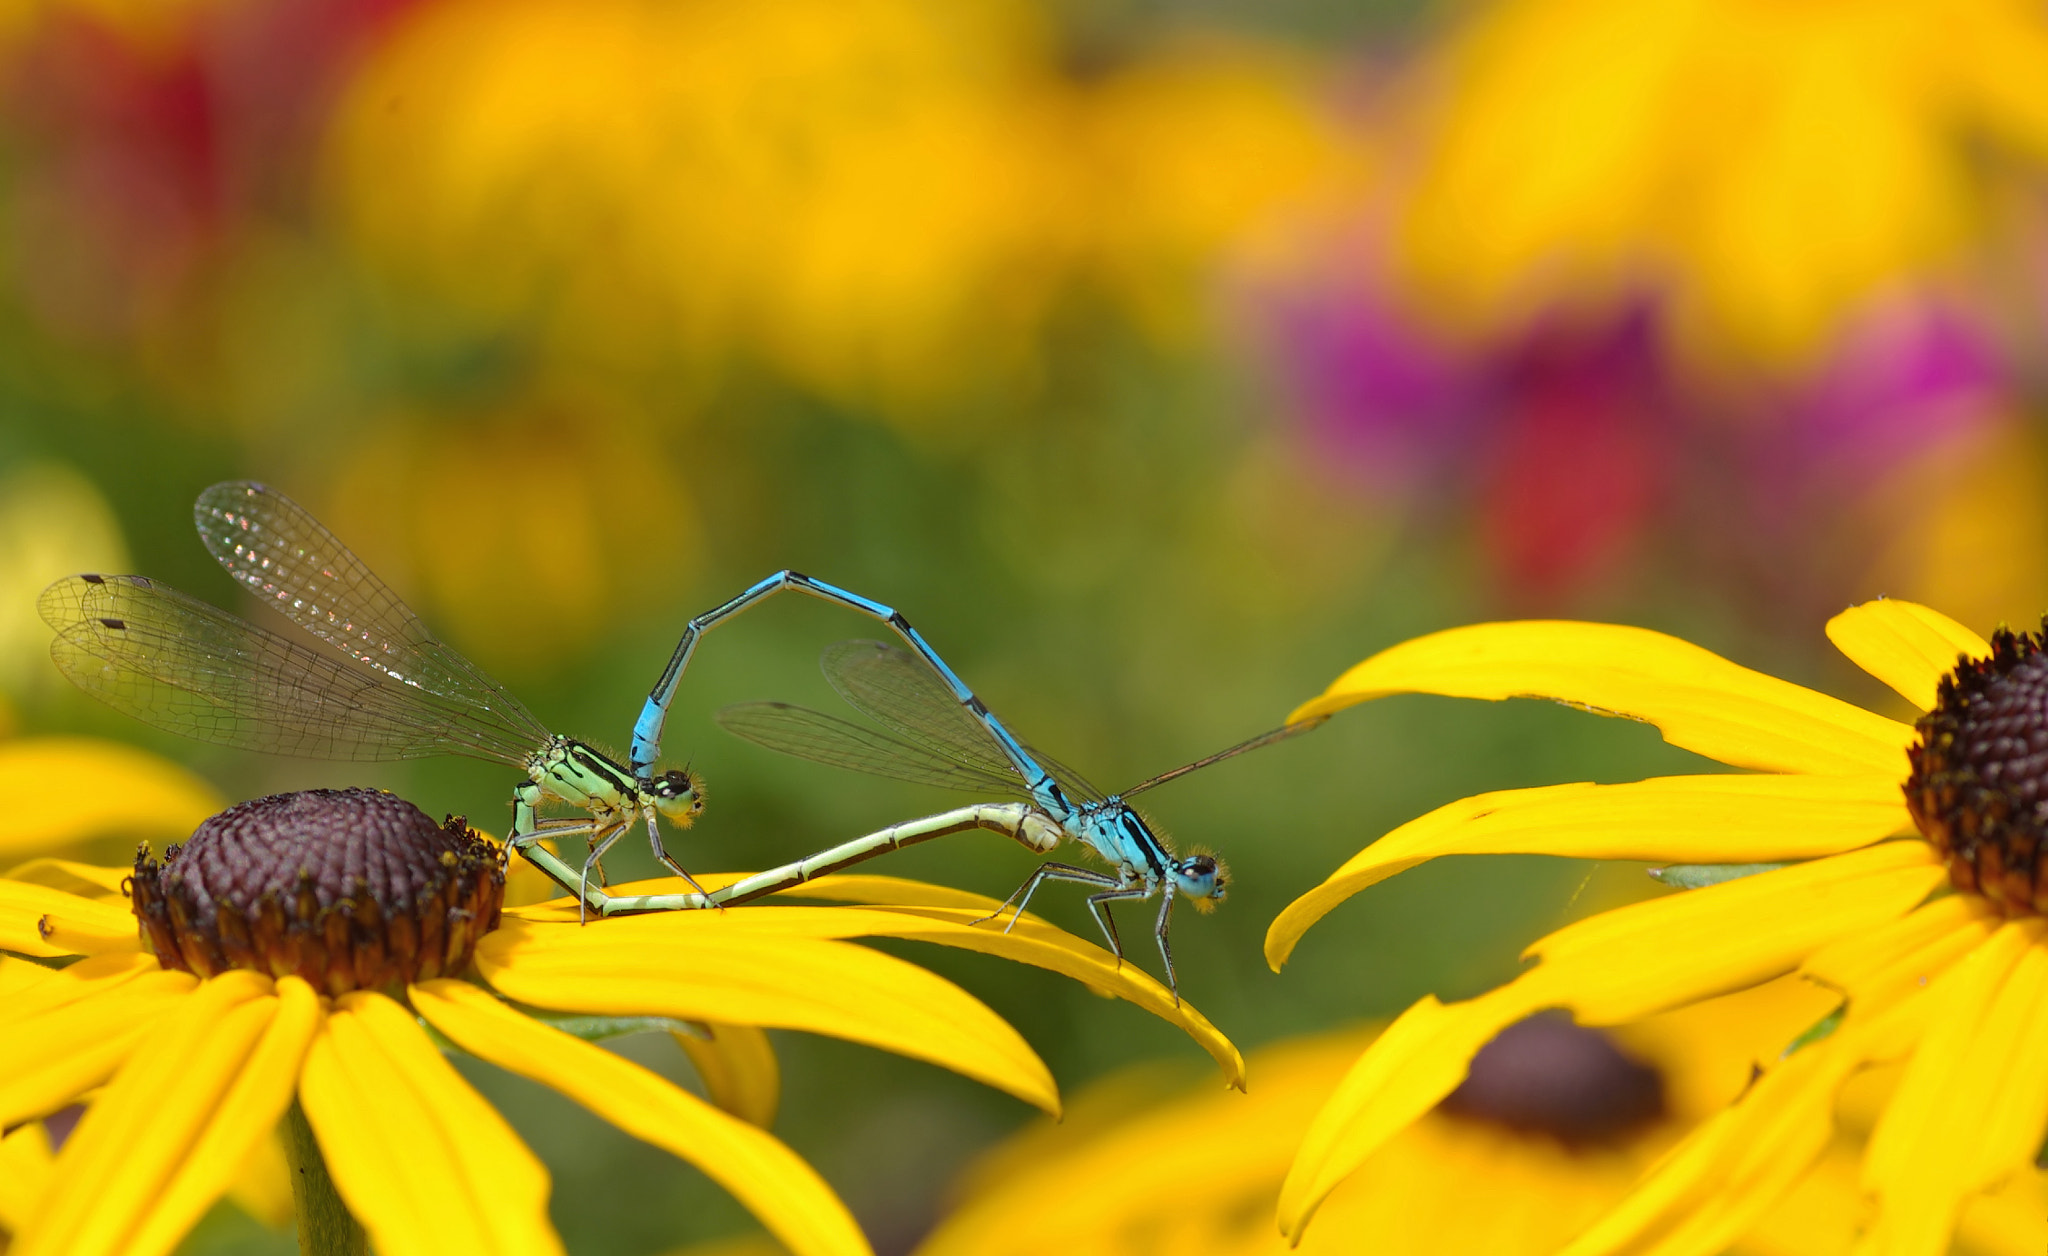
x=1211, y=154
x=858, y=191
x=313, y=990
x=880, y=198
x=1761, y=166
x=53, y=522
x=555, y=504
x=1942, y=985
x=148, y=25
x=65, y=791
x=1546, y=1134
x=2011, y=1220
x=1954, y=526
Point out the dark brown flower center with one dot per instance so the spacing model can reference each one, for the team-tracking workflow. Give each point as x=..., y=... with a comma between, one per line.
x=1549, y=1076
x=348, y=888
x=1979, y=785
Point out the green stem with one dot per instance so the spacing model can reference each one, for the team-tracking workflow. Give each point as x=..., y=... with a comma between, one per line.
x=325, y=1226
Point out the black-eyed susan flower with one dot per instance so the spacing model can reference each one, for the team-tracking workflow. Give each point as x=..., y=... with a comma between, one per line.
x=1823, y=872
x=1545, y=1133
x=292, y=951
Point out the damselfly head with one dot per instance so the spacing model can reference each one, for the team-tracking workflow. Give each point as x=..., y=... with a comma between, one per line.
x=1203, y=878
x=678, y=794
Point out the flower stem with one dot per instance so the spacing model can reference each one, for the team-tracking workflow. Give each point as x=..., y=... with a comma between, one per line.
x=325, y=1226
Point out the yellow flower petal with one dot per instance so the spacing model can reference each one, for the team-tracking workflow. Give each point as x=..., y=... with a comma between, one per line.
x=774, y=1183
x=1450, y=1185
x=1420, y=1058
x=1044, y=945
x=71, y=801
x=419, y=1158
x=263, y=1186
x=83, y=879
x=1714, y=1047
x=1905, y=645
x=50, y=1058
x=18, y=975
x=1734, y=1168
x=31, y=989
x=1680, y=819
x=738, y=1067
x=1609, y=969
x=1874, y=968
x=37, y=920
x=1022, y=1199
x=1754, y=1152
x=959, y=918
x=724, y=966
x=1619, y=965
x=845, y=887
x=242, y=1121
x=25, y=1161
x=2010, y=1221
x=139, y=1135
x=1030, y=941
x=1700, y=700
x=1714, y=1071
x=1973, y=1101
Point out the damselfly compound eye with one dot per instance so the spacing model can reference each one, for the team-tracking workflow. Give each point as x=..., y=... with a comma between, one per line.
x=348, y=888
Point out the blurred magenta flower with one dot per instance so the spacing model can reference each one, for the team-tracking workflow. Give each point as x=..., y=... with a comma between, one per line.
x=1706, y=303
x=1578, y=450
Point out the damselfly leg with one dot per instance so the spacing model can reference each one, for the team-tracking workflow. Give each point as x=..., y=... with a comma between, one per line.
x=1021, y=896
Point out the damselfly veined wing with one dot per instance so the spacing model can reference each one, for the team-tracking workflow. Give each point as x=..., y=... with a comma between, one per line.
x=392, y=691
x=189, y=667
x=292, y=564
x=899, y=691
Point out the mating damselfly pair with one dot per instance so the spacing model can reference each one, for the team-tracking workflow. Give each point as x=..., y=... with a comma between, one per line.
x=393, y=690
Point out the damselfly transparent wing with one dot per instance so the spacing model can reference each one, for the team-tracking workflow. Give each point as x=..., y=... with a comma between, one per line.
x=822, y=738
x=175, y=662
x=290, y=561
x=898, y=690
x=1267, y=738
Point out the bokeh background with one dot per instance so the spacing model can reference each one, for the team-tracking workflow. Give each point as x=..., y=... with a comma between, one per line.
x=1159, y=358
